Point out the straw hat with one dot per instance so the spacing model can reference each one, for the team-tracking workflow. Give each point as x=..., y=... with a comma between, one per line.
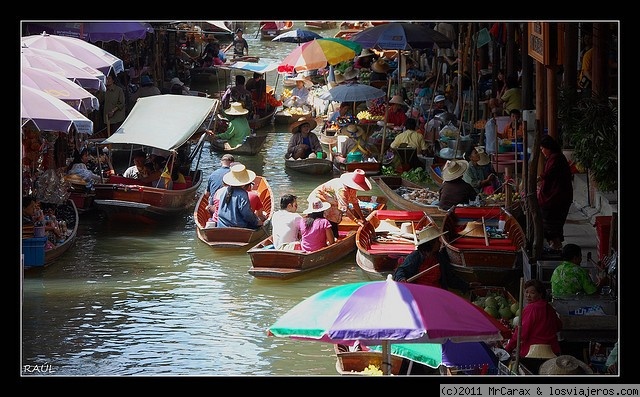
x=380, y=66
x=397, y=99
x=350, y=73
x=483, y=156
x=356, y=180
x=429, y=233
x=564, y=365
x=352, y=130
x=540, y=351
x=236, y=109
x=302, y=120
x=366, y=53
x=317, y=206
x=454, y=169
x=304, y=79
x=338, y=76
x=473, y=229
x=238, y=175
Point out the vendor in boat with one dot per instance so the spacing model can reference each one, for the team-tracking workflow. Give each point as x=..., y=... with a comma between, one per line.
x=299, y=93
x=239, y=45
x=454, y=189
x=480, y=173
x=431, y=261
x=234, y=209
x=303, y=142
x=569, y=278
x=365, y=59
x=379, y=73
x=397, y=111
x=356, y=142
x=342, y=194
x=79, y=167
x=238, y=129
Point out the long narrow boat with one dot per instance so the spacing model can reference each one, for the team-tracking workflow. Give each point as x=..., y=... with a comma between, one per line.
x=270, y=263
x=435, y=172
x=492, y=258
x=409, y=196
x=166, y=122
x=263, y=121
x=320, y=25
x=369, y=168
x=270, y=29
x=234, y=237
x=66, y=212
x=251, y=145
x=380, y=243
x=356, y=362
x=311, y=166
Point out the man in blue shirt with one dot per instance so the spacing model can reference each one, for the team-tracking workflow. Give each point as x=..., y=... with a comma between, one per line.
x=234, y=208
x=215, y=179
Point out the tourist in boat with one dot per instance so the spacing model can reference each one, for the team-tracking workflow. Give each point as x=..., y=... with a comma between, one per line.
x=342, y=194
x=397, y=111
x=284, y=223
x=136, y=171
x=79, y=167
x=238, y=129
x=254, y=200
x=239, y=93
x=540, y=324
x=171, y=177
x=303, y=142
x=454, y=189
x=480, y=173
x=29, y=207
x=355, y=143
x=234, y=209
x=569, y=278
x=315, y=230
x=214, y=182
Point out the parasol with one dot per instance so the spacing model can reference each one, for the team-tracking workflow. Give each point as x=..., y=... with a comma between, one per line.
x=400, y=36
x=297, y=36
x=59, y=87
x=319, y=53
x=49, y=113
x=86, y=52
x=95, y=31
x=352, y=92
x=385, y=312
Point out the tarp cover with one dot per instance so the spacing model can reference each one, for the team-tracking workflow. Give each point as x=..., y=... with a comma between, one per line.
x=163, y=121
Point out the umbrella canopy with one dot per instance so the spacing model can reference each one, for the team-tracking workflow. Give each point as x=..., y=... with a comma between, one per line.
x=86, y=52
x=163, y=121
x=318, y=53
x=59, y=87
x=400, y=36
x=49, y=113
x=353, y=92
x=450, y=354
x=297, y=36
x=94, y=31
x=69, y=67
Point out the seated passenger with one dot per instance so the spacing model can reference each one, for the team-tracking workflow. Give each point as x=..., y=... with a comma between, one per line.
x=315, y=230
x=136, y=171
x=234, y=209
x=79, y=166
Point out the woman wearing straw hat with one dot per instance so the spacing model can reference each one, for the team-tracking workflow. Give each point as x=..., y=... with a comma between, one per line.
x=355, y=142
x=315, y=230
x=342, y=194
x=480, y=173
x=299, y=93
x=540, y=325
x=454, y=189
x=303, y=142
x=365, y=59
x=427, y=255
x=379, y=72
x=238, y=129
x=397, y=111
x=234, y=208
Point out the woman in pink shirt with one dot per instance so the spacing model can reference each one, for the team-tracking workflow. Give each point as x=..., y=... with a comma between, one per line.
x=314, y=228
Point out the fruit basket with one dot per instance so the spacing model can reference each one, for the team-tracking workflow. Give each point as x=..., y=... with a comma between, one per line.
x=504, y=307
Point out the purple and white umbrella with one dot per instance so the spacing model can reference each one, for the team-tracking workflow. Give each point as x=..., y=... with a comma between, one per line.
x=59, y=87
x=49, y=113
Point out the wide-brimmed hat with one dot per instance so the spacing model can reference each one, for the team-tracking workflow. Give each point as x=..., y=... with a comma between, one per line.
x=317, y=206
x=236, y=109
x=540, y=350
x=454, y=169
x=397, y=99
x=238, y=175
x=338, y=76
x=439, y=98
x=429, y=233
x=366, y=53
x=350, y=73
x=356, y=180
x=176, y=80
x=564, y=365
x=302, y=120
x=352, y=130
x=380, y=66
x=145, y=80
x=304, y=79
x=484, y=158
x=473, y=229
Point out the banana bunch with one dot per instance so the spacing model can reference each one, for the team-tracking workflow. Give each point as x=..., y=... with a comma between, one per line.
x=500, y=197
x=372, y=370
x=294, y=111
x=286, y=93
x=366, y=115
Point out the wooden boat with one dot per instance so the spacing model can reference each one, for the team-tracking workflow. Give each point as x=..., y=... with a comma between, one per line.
x=355, y=362
x=312, y=166
x=378, y=249
x=270, y=29
x=126, y=199
x=369, y=168
x=66, y=212
x=263, y=121
x=435, y=172
x=251, y=145
x=492, y=260
x=234, y=237
x=284, y=117
x=320, y=25
x=395, y=187
x=346, y=33
x=268, y=262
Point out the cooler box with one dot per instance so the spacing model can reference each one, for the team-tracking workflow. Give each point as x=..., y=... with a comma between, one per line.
x=354, y=157
x=33, y=251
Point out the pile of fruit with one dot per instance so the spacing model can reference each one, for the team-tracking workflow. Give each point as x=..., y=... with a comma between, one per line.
x=499, y=198
x=286, y=93
x=297, y=111
x=366, y=115
x=372, y=370
x=499, y=306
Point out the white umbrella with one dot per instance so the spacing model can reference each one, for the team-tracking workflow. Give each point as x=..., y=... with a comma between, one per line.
x=59, y=87
x=49, y=113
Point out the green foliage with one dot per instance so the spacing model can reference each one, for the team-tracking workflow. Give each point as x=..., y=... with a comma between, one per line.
x=416, y=175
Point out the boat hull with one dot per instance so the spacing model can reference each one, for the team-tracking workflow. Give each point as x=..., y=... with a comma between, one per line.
x=250, y=147
x=311, y=166
x=369, y=168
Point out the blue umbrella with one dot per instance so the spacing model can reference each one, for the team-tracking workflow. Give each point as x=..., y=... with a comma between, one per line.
x=400, y=36
x=297, y=36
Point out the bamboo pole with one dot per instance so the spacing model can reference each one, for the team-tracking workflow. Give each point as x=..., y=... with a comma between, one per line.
x=384, y=129
x=519, y=325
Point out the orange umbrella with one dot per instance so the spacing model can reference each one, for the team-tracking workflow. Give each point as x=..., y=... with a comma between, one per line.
x=319, y=53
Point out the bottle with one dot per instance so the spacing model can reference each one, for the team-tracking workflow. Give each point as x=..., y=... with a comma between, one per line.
x=501, y=223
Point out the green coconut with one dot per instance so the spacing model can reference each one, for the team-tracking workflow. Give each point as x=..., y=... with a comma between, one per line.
x=514, y=308
x=493, y=311
x=505, y=313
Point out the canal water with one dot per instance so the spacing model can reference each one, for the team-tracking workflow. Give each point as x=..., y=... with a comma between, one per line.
x=149, y=301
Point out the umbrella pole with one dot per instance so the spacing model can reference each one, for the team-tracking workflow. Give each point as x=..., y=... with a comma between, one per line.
x=384, y=129
x=519, y=325
x=386, y=358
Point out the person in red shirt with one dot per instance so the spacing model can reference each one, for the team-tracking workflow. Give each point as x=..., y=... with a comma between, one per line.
x=397, y=111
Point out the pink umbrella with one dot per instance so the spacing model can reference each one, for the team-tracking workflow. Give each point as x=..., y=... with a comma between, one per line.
x=86, y=52
x=49, y=113
x=59, y=87
x=69, y=67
